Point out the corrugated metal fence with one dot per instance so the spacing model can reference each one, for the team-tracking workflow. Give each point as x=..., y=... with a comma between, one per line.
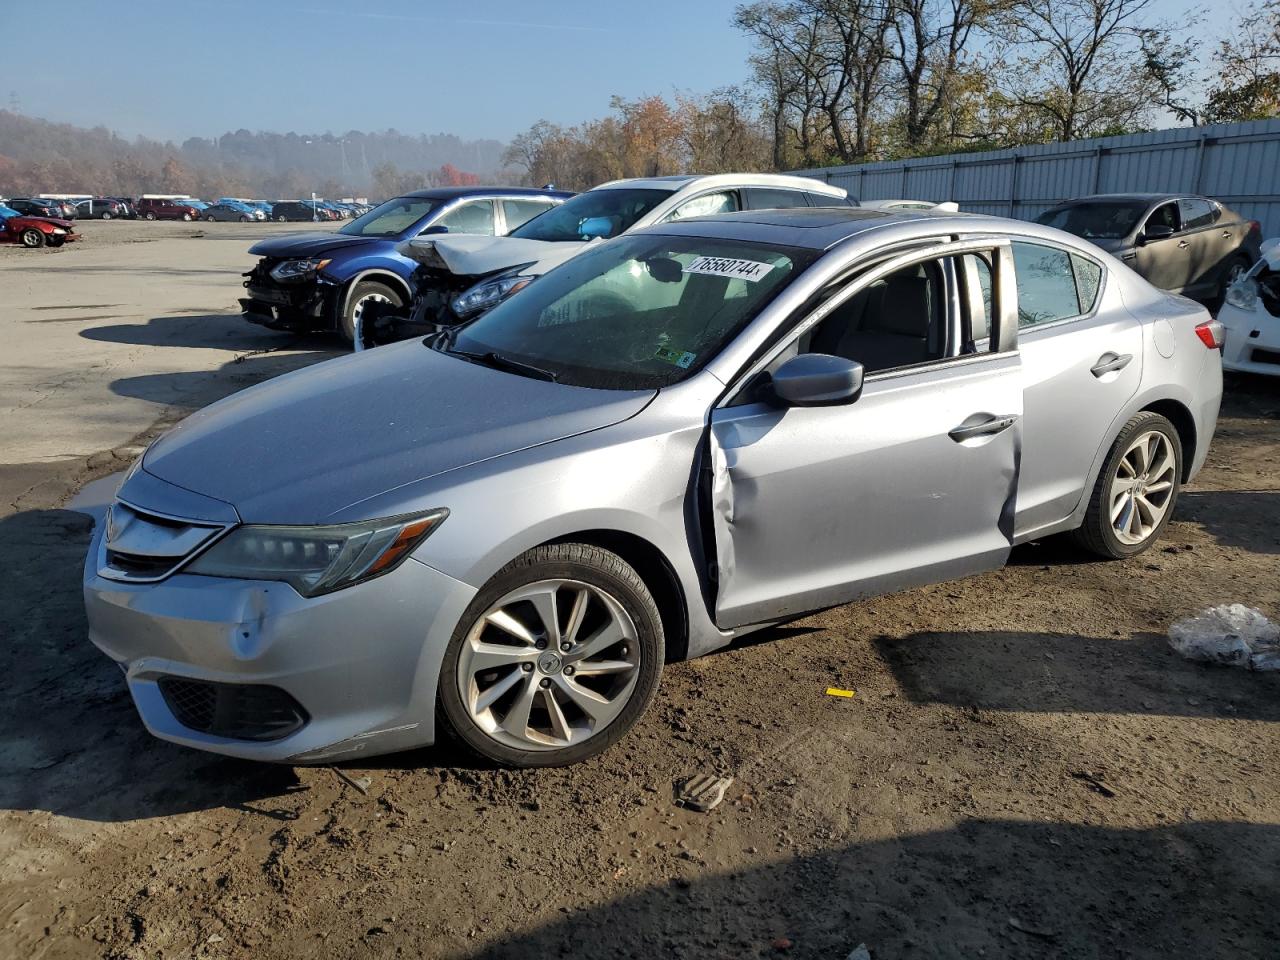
x=1237, y=163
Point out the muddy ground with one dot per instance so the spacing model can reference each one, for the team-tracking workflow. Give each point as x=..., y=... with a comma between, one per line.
x=1026, y=770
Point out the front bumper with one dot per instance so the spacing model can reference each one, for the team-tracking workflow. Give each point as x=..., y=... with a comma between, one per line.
x=1252, y=340
x=303, y=305
x=362, y=663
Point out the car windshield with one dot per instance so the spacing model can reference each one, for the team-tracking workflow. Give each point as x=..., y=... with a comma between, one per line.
x=640, y=312
x=1095, y=221
x=596, y=213
x=392, y=218
x=7, y=212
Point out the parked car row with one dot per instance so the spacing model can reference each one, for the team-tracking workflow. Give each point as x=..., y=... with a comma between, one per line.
x=658, y=416
x=187, y=208
x=34, y=231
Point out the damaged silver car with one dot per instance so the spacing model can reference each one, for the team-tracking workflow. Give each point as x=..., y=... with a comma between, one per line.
x=675, y=438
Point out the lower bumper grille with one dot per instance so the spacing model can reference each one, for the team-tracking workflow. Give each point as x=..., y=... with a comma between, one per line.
x=1266, y=356
x=233, y=710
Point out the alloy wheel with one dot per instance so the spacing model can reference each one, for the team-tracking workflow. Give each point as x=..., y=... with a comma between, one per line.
x=549, y=665
x=1142, y=489
x=357, y=311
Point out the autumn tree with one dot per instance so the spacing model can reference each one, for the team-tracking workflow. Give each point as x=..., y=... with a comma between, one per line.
x=1247, y=69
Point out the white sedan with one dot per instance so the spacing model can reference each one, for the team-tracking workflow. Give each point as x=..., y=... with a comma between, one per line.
x=1250, y=317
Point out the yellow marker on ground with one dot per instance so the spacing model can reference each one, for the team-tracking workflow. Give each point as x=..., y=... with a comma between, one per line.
x=837, y=692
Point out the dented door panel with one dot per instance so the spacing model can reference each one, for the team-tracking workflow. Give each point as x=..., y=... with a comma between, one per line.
x=816, y=506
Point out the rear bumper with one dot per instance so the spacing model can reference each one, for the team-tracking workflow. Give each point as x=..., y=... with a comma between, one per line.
x=362, y=664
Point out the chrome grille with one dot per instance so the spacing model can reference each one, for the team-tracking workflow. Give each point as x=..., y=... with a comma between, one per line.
x=141, y=546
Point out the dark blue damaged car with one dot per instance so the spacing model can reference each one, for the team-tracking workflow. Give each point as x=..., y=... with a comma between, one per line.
x=327, y=281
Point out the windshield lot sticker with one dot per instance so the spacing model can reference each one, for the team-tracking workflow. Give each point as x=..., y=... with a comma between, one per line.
x=728, y=267
x=682, y=360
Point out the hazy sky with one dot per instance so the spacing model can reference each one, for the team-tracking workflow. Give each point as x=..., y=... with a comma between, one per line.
x=172, y=69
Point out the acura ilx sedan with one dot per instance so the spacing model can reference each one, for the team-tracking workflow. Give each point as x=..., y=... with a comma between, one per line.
x=674, y=438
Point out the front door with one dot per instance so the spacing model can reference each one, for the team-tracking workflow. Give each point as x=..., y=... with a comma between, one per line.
x=1164, y=262
x=912, y=483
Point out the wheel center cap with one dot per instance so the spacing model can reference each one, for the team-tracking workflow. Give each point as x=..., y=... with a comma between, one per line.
x=549, y=663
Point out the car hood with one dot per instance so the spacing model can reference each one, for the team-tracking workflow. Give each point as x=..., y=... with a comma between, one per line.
x=32, y=218
x=309, y=244
x=468, y=255
x=304, y=446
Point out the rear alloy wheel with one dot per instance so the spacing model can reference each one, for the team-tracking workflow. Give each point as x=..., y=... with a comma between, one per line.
x=150, y=215
x=363, y=294
x=106, y=214
x=208, y=218
x=555, y=660
x=31, y=237
x=282, y=219
x=186, y=218
x=1134, y=496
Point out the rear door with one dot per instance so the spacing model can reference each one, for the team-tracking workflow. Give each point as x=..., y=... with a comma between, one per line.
x=912, y=483
x=1080, y=363
x=1164, y=262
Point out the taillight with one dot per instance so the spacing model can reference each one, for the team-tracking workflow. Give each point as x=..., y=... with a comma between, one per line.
x=1211, y=334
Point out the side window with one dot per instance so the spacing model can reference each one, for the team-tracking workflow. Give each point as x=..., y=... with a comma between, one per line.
x=898, y=321
x=1088, y=281
x=1195, y=214
x=765, y=198
x=1046, y=284
x=1166, y=215
x=520, y=212
x=822, y=200
x=706, y=206
x=475, y=216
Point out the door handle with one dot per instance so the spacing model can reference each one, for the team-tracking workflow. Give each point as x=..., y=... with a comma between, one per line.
x=1226, y=234
x=968, y=431
x=1110, y=362
x=1183, y=244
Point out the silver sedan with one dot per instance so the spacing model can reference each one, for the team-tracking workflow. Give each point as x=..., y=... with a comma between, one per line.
x=675, y=438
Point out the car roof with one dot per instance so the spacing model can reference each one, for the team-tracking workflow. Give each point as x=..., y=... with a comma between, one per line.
x=820, y=228
x=453, y=193
x=1149, y=198
x=674, y=183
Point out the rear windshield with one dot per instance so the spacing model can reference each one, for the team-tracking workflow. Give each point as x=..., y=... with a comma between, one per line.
x=1096, y=220
x=596, y=213
x=390, y=219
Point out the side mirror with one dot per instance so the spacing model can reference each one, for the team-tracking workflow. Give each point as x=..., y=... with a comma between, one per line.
x=817, y=380
x=1158, y=231
x=437, y=228
x=593, y=227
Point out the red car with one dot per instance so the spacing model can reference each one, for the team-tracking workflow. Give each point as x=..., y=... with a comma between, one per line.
x=34, y=231
x=157, y=209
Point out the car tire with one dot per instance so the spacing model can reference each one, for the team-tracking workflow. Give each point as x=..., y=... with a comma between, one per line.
x=32, y=238
x=208, y=219
x=616, y=681
x=282, y=219
x=362, y=293
x=149, y=215
x=244, y=219
x=186, y=218
x=1120, y=521
x=1235, y=268
x=106, y=214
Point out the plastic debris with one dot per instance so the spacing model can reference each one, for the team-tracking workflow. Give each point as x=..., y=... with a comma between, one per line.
x=702, y=793
x=1231, y=635
x=860, y=952
x=838, y=692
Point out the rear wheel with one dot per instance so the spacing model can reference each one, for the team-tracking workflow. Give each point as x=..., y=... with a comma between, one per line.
x=282, y=219
x=31, y=237
x=244, y=219
x=1134, y=496
x=106, y=214
x=186, y=218
x=150, y=215
x=555, y=659
x=208, y=218
x=363, y=294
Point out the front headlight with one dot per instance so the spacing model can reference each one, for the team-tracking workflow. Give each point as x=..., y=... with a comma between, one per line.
x=486, y=295
x=298, y=269
x=59, y=230
x=1243, y=293
x=316, y=560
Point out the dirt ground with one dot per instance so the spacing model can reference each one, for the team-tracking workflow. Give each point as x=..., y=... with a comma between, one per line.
x=1026, y=770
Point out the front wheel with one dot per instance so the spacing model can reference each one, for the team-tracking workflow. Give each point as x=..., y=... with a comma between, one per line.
x=151, y=216
x=208, y=218
x=106, y=214
x=32, y=238
x=244, y=219
x=1135, y=493
x=362, y=295
x=186, y=218
x=282, y=219
x=555, y=659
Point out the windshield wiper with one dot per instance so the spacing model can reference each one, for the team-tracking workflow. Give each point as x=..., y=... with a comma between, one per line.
x=496, y=360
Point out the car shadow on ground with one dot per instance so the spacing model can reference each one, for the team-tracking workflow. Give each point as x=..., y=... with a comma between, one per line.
x=1059, y=673
x=990, y=888
x=1235, y=518
x=216, y=331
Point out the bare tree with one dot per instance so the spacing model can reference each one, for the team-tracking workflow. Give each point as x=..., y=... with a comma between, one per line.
x=1081, y=62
